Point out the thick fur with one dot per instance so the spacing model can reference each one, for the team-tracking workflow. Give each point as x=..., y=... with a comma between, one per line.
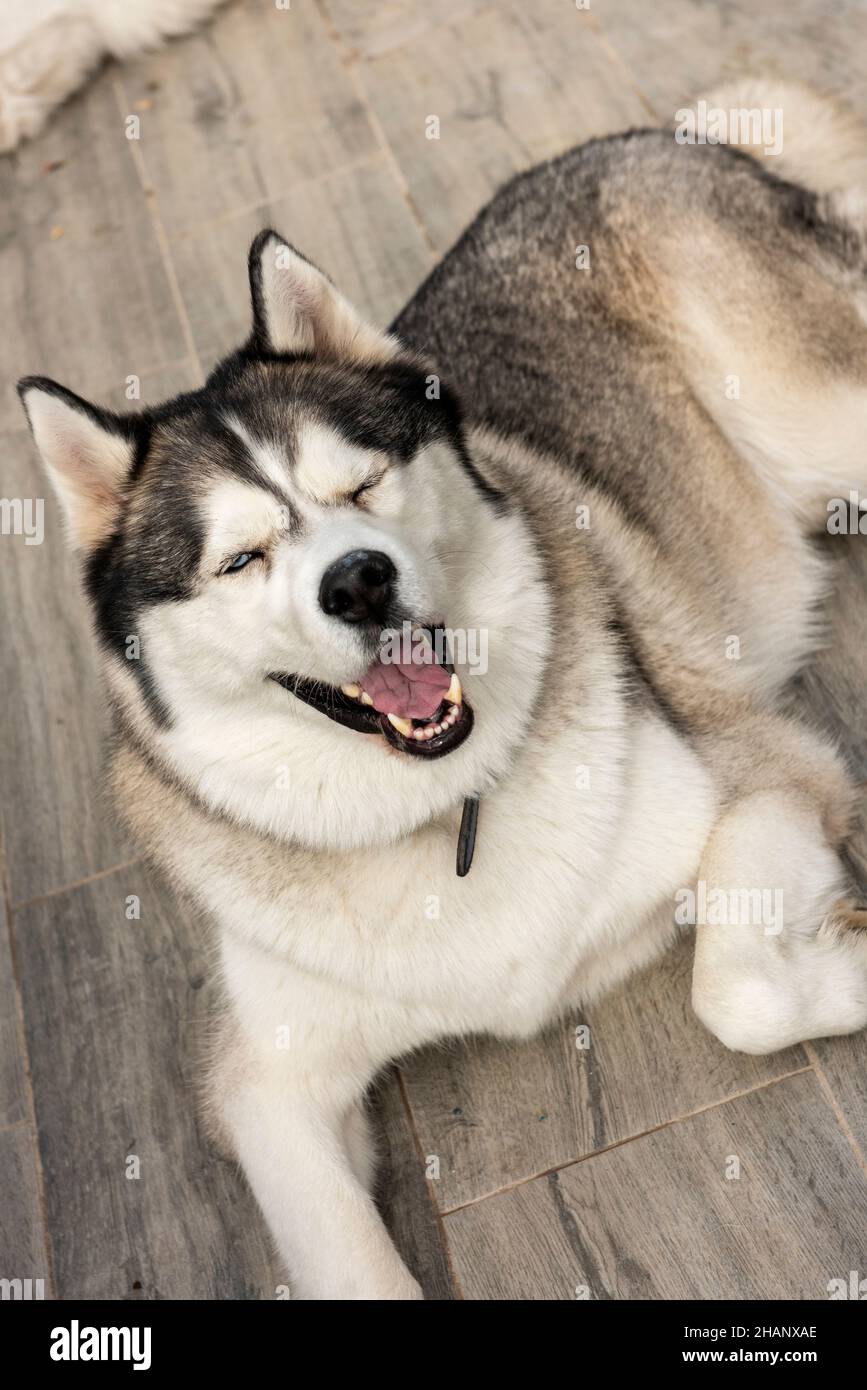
x=629, y=738
x=48, y=48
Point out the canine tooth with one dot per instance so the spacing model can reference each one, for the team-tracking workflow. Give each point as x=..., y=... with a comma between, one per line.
x=353, y=691
x=403, y=726
x=365, y=698
x=454, y=694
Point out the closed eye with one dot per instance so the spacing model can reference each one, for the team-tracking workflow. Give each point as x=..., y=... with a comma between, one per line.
x=367, y=486
x=240, y=561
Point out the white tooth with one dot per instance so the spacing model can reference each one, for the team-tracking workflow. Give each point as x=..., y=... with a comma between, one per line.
x=429, y=731
x=365, y=698
x=438, y=728
x=353, y=691
x=454, y=694
x=455, y=711
x=418, y=733
x=403, y=726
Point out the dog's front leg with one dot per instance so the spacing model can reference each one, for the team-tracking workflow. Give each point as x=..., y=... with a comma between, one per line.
x=289, y=1131
x=287, y=1088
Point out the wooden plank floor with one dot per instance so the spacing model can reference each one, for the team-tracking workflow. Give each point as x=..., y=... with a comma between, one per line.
x=650, y=1164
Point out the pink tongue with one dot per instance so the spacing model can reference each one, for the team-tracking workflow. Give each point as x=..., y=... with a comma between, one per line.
x=409, y=689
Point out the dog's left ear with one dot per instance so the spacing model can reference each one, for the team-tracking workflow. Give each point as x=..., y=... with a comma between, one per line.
x=296, y=309
x=88, y=453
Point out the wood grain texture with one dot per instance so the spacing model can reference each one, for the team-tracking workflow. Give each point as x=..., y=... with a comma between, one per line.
x=659, y=1218
x=371, y=29
x=243, y=111
x=356, y=226
x=84, y=295
x=22, y=1234
x=57, y=826
x=676, y=51
x=117, y=1012
x=405, y=1198
x=844, y=1063
x=14, y=1105
x=506, y=95
x=497, y=1112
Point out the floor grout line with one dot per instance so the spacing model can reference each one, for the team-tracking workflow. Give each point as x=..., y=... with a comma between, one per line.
x=24, y=1123
x=429, y=31
x=630, y=1139
x=420, y=1154
x=614, y=56
x=152, y=202
x=351, y=166
x=351, y=68
x=31, y=1121
x=79, y=883
x=835, y=1105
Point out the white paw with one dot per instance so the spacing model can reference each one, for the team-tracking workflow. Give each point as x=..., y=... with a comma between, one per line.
x=821, y=994
x=753, y=1016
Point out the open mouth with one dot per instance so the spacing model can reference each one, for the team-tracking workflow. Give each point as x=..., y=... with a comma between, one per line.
x=417, y=705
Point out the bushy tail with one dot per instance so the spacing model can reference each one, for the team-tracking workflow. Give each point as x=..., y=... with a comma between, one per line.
x=822, y=144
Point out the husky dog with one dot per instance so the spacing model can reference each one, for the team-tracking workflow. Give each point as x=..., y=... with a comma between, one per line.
x=550, y=456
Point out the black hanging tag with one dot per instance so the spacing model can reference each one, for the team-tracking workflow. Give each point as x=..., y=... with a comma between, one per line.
x=467, y=835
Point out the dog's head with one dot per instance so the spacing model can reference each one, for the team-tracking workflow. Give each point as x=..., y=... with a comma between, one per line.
x=279, y=562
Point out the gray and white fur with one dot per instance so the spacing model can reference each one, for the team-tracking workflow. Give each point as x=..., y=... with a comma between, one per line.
x=582, y=487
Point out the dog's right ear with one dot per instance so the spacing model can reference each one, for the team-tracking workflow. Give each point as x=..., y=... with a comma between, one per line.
x=88, y=454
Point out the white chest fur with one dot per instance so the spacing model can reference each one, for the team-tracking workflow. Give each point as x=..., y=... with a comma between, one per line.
x=574, y=852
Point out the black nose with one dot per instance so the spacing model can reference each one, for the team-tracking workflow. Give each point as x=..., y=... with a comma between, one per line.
x=357, y=586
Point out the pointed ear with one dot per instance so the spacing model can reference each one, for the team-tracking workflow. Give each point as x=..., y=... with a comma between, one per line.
x=297, y=309
x=88, y=454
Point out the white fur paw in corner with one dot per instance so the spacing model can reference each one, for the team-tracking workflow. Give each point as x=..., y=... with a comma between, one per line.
x=39, y=70
x=48, y=48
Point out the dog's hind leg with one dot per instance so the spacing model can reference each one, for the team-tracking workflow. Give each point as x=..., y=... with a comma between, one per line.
x=770, y=313
x=778, y=358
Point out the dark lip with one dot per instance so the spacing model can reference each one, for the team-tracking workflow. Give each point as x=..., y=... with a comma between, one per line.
x=331, y=701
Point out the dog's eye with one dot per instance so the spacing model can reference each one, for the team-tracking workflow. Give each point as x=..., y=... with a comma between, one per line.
x=238, y=562
x=367, y=486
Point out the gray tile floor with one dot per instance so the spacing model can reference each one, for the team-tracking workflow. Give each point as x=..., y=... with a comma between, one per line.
x=542, y=1171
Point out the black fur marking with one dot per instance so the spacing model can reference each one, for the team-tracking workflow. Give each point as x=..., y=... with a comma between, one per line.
x=128, y=574
x=126, y=426
x=154, y=554
x=398, y=414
